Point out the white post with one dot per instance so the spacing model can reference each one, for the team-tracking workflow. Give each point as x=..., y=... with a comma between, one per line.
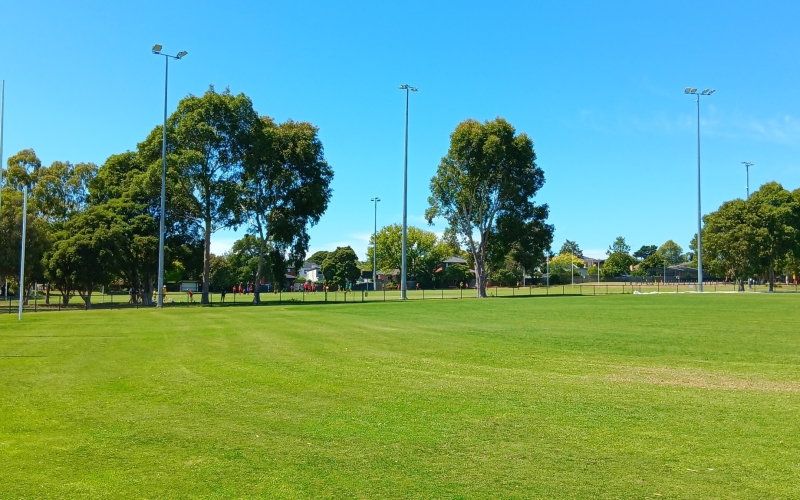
x=548, y=269
x=22, y=254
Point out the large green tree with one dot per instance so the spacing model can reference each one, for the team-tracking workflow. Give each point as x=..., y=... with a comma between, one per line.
x=777, y=226
x=86, y=252
x=671, y=252
x=617, y=264
x=572, y=247
x=619, y=246
x=424, y=252
x=484, y=189
x=38, y=238
x=729, y=242
x=341, y=267
x=209, y=137
x=285, y=189
x=645, y=251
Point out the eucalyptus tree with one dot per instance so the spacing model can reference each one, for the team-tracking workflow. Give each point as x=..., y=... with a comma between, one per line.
x=285, y=190
x=210, y=138
x=484, y=189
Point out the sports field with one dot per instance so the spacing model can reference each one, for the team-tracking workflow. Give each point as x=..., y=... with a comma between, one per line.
x=618, y=396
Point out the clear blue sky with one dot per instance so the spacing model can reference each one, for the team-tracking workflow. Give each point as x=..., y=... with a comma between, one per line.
x=597, y=85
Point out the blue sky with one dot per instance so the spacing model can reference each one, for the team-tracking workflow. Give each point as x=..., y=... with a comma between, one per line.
x=597, y=85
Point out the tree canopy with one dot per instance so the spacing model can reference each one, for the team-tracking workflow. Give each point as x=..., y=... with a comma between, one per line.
x=424, y=253
x=341, y=267
x=619, y=246
x=484, y=189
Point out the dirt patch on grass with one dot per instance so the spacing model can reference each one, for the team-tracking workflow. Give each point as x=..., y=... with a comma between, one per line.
x=685, y=377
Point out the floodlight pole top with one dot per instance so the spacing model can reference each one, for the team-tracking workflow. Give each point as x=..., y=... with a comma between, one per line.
x=157, y=51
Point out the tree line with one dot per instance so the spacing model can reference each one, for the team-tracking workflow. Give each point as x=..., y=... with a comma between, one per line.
x=227, y=167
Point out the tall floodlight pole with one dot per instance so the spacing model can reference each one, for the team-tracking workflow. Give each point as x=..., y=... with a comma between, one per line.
x=167, y=57
x=2, y=113
x=22, y=252
x=407, y=88
x=375, y=247
x=747, y=166
x=706, y=92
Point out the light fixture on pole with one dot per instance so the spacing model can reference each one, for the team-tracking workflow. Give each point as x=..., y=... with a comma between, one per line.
x=705, y=92
x=747, y=166
x=407, y=88
x=157, y=51
x=375, y=247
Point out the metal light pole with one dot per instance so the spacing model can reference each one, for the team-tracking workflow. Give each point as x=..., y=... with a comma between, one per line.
x=407, y=88
x=167, y=57
x=747, y=166
x=375, y=247
x=22, y=254
x=706, y=92
x=2, y=113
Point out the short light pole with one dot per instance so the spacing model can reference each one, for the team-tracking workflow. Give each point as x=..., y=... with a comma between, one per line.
x=167, y=57
x=706, y=92
x=375, y=247
x=408, y=88
x=747, y=166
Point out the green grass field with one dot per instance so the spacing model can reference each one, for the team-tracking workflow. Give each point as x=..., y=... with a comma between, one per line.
x=623, y=396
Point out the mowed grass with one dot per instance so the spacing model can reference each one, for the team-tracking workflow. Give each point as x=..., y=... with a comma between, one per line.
x=634, y=396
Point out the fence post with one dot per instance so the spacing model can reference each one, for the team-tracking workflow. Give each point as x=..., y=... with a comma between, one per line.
x=280, y=296
x=580, y=289
x=442, y=293
x=562, y=289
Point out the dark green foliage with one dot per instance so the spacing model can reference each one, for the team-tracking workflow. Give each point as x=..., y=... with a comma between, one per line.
x=645, y=251
x=484, y=189
x=456, y=274
x=341, y=267
x=619, y=246
x=572, y=247
x=617, y=264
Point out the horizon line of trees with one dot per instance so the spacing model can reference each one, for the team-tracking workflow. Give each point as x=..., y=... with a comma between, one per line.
x=227, y=167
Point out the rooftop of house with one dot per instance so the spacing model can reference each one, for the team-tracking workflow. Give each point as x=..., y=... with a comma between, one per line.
x=454, y=260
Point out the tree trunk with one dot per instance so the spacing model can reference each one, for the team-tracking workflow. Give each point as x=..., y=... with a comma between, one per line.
x=87, y=297
x=206, y=262
x=771, y=276
x=47, y=294
x=257, y=284
x=740, y=284
x=148, y=297
x=480, y=278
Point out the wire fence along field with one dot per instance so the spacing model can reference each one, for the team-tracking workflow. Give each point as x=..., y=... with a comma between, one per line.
x=110, y=301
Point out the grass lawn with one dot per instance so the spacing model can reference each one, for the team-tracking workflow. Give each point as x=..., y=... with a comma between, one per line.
x=622, y=396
